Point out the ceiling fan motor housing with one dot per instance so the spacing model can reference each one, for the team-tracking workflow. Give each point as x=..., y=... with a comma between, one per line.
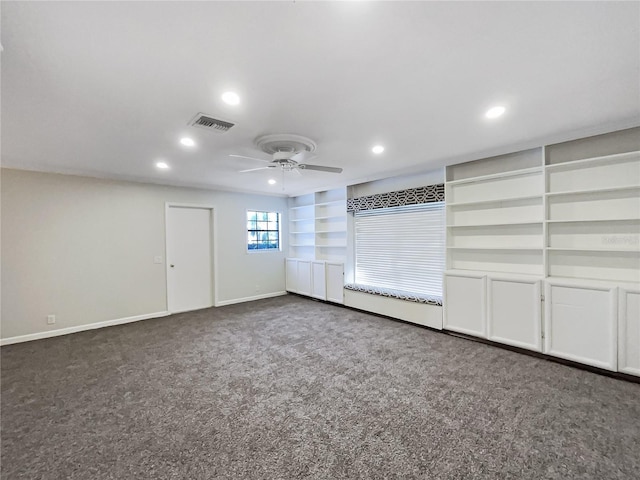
x=284, y=146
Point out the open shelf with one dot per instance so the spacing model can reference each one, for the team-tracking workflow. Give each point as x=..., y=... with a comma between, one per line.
x=494, y=201
x=588, y=162
x=498, y=248
x=318, y=225
x=494, y=176
x=501, y=224
x=593, y=191
x=631, y=251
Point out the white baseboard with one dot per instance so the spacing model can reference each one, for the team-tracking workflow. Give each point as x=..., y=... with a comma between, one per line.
x=80, y=328
x=249, y=299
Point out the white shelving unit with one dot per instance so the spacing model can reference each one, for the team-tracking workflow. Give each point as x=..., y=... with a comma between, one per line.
x=318, y=226
x=495, y=219
x=495, y=248
x=593, y=218
x=302, y=227
x=318, y=234
x=331, y=225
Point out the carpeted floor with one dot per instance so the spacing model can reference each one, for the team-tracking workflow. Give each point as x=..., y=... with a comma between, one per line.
x=289, y=388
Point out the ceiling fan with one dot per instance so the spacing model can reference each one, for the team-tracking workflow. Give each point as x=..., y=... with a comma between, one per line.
x=289, y=153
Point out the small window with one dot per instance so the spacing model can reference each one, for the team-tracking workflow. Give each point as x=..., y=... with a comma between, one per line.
x=263, y=230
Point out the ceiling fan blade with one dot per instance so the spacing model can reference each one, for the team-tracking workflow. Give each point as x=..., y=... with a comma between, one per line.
x=320, y=168
x=297, y=171
x=250, y=158
x=302, y=156
x=259, y=168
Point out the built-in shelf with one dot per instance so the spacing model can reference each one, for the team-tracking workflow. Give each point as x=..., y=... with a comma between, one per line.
x=301, y=207
x=321, y=232
x=595, y=220
x=493, y=176
x=592, y=191
x=593, y=209
x=496, y=224
x=334, y=202
x=586, y=162
x=497, y=248
x=493, y=201
x=495, y=215
x=610, y=250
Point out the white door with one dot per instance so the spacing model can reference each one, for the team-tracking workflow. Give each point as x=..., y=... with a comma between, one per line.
x=189, y=265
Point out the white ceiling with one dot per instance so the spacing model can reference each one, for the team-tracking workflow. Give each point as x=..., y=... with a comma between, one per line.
x=107, y=89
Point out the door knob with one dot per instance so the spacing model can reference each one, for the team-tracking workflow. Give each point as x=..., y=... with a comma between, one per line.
x=171, y=266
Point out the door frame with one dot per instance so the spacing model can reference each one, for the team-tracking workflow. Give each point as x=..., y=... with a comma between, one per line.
x=213, y=246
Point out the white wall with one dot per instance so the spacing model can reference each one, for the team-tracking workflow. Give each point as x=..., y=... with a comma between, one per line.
x=83, y=249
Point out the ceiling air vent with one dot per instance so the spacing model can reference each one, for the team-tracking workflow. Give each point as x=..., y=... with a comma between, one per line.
x=209, y=123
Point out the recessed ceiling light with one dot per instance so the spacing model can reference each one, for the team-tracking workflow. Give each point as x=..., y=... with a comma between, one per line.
x=377, y=149
x=495, y=112
x=272, y=181
x=187, y=142
x=162, y=165
x=230, y=98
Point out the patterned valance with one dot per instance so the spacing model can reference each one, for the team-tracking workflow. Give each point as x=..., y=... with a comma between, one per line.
x=411, y=196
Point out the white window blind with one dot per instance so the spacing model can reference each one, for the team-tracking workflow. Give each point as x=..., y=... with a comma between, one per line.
x=401, y=248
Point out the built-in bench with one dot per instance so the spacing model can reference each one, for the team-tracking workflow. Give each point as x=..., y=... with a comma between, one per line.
x=411, y=307
x=399, y=294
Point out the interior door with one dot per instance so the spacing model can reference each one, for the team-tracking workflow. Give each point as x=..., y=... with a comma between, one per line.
x=189, y=259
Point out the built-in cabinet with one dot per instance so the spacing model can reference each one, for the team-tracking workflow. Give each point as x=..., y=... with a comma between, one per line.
x=321, y=279
x=465, y=305
x=581, y=322
x=514, y=311
x=317, y=244
x=543, y=250
x=495, y=248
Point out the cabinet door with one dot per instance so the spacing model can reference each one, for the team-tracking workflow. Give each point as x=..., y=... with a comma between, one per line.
x=464, y=304
x=335, y=282
x=304, y=277
x=581, y=324
x=291, y=274
x=318, y=281
x=514, y=312
x=629, y=332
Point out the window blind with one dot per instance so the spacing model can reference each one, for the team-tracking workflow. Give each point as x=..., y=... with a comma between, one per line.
x=401, y=248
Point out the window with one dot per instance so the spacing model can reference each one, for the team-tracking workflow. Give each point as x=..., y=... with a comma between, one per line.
x=401, y=248
x=263, y=230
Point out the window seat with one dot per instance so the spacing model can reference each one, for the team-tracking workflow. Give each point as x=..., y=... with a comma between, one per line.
x=399, y=294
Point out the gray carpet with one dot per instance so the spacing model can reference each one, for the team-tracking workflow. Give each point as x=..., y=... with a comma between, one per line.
x=290, y=388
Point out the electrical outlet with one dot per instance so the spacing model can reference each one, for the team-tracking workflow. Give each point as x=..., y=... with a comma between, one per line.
x=51, y=319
